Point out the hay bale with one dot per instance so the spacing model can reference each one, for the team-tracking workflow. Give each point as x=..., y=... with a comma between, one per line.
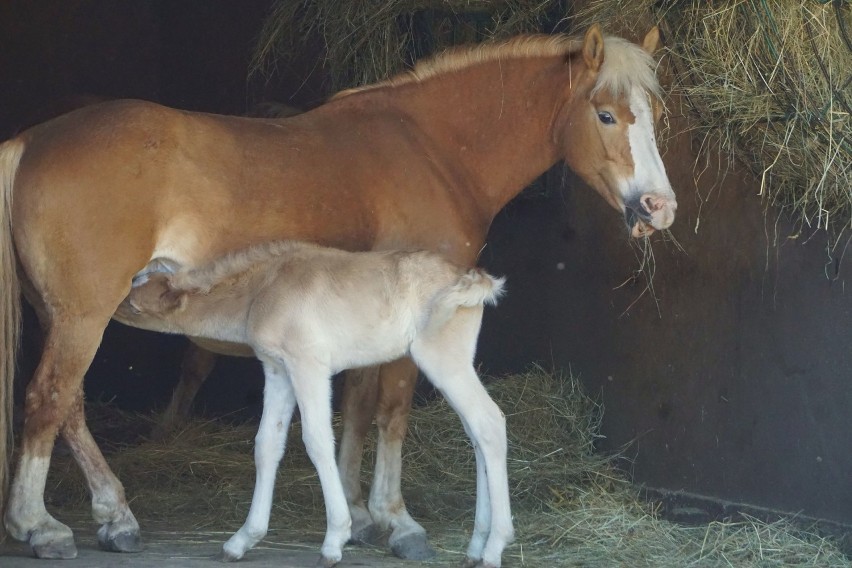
x=571, y=506
x=369, y=40
x=770, y=83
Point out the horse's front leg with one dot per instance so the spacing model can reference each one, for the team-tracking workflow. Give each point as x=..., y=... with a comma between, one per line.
x=70, y=346
x=279, y=403
x=360, y=392
x=119, y=530
x=408, y=538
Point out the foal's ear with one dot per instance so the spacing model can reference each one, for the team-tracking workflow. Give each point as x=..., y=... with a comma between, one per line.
x=593, y=48
x=651, y=43
x=173, y=301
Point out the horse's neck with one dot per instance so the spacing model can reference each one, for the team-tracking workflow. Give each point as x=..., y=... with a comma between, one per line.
x=495, y=119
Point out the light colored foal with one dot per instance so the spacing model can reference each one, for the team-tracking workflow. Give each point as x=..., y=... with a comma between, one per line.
x=309, y=312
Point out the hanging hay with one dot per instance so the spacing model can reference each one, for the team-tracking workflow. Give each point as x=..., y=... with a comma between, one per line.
x=770, y=82
x=571, y=506
x=369, y=40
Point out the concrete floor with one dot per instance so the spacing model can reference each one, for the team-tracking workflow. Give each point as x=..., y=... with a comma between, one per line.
x=189, y=551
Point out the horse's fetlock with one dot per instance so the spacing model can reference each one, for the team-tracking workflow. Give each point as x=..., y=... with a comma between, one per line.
x=255, y=535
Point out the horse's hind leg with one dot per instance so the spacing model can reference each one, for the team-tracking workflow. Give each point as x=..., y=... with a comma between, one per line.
x=196, y=366
x=119, y=530
x=69, y=348
x=396, y=389
x=360, y=391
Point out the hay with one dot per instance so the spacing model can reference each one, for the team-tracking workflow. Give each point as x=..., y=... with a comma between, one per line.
x=572, y=507
x=770, y=83
x=369, y=40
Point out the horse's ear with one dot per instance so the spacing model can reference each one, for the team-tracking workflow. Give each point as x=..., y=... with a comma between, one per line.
x=651, y=43
x=593, y=48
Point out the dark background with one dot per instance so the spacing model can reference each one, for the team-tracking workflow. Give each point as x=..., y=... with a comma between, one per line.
x=729, y=380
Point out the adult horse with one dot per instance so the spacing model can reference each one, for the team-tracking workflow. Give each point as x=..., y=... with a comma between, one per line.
x=423, y=160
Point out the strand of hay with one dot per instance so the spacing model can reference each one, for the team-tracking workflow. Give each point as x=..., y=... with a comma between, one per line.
x=571, y=506
x=770, y=82
x=370, y=40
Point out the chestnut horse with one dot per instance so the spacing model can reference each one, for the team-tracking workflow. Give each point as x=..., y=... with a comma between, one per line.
x=423, y=160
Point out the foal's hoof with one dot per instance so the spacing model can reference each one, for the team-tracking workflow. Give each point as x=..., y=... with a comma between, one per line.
x=54, y=549
x=370, y=534
x=121, y=542
x=469, y=562
x=325, y=562
x=414, y=546
x=225, y=556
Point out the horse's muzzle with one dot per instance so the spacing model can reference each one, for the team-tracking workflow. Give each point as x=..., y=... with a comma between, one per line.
x=647, y=213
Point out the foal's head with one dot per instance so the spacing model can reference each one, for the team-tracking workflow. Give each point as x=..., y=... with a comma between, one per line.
x=607, y=129
x=151, y=299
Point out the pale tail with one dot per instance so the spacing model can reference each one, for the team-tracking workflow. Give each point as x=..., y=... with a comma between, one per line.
x=474, y=288
x=10, y=306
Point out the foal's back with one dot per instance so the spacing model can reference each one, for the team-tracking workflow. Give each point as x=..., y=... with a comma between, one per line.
x=354, y=309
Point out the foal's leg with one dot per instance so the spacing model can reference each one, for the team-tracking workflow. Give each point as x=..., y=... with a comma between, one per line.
x=396, y=389
x=278, y=405
x=119, y=530
x=360, y=390
x=312, y=387
x=70, y=345
x=446, y=358
x=196, y=366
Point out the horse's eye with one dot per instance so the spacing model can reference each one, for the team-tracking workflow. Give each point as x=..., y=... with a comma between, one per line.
x=606, y=117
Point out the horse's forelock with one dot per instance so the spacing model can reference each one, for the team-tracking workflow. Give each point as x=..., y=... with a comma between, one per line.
x=626, y=65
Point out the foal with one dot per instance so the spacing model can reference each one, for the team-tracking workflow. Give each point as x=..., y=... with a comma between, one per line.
x=309, y=312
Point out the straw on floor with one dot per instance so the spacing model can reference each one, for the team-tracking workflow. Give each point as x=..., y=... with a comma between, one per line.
x=571, y=506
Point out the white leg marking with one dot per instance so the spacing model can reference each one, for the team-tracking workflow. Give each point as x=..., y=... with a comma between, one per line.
x=278, y=405
x=312, y=389
x=447, y=360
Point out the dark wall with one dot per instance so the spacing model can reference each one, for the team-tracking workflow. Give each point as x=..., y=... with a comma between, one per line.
x=731, y=378
x=727, y=380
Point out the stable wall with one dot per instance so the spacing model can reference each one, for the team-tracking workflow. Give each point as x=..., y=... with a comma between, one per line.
x=734, y=383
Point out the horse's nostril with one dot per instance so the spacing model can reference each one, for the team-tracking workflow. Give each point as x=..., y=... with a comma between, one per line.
x=650, y=204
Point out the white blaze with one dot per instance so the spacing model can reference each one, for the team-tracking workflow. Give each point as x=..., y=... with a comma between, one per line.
x=649, y=173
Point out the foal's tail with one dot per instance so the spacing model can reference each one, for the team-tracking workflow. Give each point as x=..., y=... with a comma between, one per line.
x=10, y=306
x=473, y=288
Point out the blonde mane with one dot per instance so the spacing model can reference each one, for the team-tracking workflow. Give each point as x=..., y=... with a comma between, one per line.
x=625, y=63
x=235, y=264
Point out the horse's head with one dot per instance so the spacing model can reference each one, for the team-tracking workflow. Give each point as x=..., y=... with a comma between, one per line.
x=606, y=129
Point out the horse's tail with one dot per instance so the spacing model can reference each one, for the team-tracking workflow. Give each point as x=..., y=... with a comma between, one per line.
x=473, y=288
x=10, y=305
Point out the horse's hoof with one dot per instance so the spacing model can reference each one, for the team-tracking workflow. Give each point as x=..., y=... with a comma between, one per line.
x=125, y=541
x=54, y=549
x=370, y=534
x=414, y=546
